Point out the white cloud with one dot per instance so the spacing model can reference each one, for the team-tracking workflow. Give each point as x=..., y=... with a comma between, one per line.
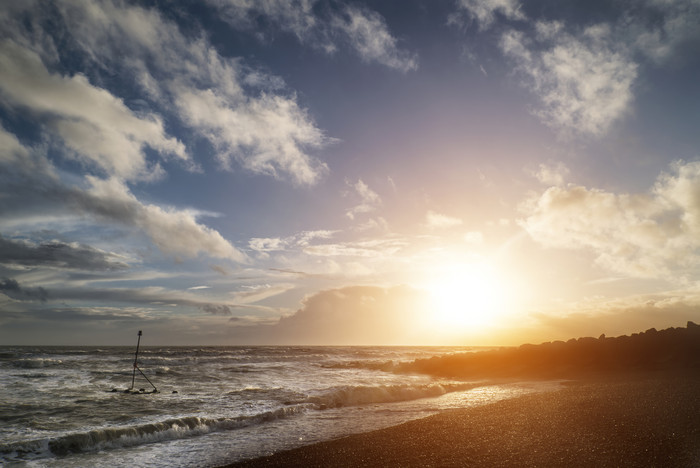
x=305, y=237
x=440, y=221
x=369, y=199
x=172, y=230
x=244, y=113
x=583, y=83
x=264, y=245
x=376, y=249
x=368, y=33
x=294, y=16
x=584, y=79
x=14, y=154
x=33, y=192
x=670, y=25
x=257, y=293
x=373, y=224
x=98, y=128
x=260, y=244
x=363, y=29
x=654, y=234
x=267, y=135
x=552, y=173
x=484, y=11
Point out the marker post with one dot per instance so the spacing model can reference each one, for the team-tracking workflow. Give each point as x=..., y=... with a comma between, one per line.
x=136, y=365
x=136, y=368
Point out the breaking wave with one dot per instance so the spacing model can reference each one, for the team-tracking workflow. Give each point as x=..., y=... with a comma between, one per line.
x=129, y=436
x=377, y=365
x=36, y=363
x=362, y=395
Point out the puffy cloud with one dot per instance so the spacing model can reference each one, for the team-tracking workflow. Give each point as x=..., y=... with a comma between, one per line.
x=440, y=221
x=654, y=234
x=369, y=199
x=552, y=173
x=584, y=78
x=363, y=29
x=33, y=191
x=268, y=135
x=172, y=230
x=583, y=83
x=266, y=244
x=668, y=25
x=95, y=125
x=243, y=112
x=294, y=16
x=484, y=11
x=367, y=32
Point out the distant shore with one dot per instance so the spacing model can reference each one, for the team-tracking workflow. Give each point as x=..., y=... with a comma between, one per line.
x=649, y=418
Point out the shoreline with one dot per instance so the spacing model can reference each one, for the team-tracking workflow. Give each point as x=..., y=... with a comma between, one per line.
x=649, y=418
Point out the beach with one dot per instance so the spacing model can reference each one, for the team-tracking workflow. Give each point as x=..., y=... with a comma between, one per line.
x=649, y=418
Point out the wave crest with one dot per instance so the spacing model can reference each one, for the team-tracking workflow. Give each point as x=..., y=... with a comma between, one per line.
x=354, y=396
x=129, y=436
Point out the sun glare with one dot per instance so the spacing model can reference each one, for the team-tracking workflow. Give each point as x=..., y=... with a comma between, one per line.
x=466, y=297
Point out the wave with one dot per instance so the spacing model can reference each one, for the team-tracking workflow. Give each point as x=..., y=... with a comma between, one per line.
x=378, y=365
x=342, y=396
x=36, y=363
x=129, y=436
x=191, y=426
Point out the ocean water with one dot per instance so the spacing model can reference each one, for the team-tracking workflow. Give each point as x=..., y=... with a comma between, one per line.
x=66, y=406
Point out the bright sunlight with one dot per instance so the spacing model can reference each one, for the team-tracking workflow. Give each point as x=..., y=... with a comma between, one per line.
x=467, y=297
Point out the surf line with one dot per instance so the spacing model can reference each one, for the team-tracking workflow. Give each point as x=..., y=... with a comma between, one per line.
x=131, y=389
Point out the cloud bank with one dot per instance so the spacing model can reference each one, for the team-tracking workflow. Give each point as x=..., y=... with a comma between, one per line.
x=352, y=315
x=651, y=235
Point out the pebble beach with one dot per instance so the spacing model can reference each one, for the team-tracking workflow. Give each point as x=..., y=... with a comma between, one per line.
x=638, y=419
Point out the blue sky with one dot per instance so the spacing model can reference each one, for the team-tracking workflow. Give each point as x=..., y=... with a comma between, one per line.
x=328, y=172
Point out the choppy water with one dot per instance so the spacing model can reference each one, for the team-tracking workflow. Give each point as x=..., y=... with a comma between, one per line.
x=57, y=407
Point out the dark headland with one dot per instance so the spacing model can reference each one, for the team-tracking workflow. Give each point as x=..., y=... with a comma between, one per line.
x=628, y=401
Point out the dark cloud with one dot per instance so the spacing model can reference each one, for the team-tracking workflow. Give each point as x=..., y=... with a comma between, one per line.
x=57, y=254
x=219, y=269
x=8, y=284
x=216, y=309
x=150, y=298
x=11, y=288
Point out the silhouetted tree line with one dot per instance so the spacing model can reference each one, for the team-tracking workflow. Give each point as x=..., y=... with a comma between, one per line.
x=673, y=348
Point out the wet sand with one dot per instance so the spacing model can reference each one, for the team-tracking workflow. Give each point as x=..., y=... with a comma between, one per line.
x=642, y=419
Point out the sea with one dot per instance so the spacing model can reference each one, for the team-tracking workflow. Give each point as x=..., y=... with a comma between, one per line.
x=68, y=406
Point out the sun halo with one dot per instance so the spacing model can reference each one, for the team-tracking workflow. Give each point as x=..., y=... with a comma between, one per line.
x=466, y=298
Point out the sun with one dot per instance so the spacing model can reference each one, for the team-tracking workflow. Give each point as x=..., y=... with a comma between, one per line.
x=466, y=297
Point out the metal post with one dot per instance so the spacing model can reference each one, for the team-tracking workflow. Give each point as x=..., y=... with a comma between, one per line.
x=136, y=357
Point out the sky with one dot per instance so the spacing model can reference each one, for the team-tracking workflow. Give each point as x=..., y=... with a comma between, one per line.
x=322, y=172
